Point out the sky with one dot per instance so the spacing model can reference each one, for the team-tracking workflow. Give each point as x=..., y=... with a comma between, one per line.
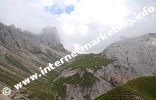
x=78, y=21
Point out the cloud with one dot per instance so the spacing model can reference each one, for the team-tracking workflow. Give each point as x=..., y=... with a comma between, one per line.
x=27, y=14
x=78, y=21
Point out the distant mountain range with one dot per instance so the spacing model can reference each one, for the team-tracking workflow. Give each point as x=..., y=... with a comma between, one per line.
x=84, y=78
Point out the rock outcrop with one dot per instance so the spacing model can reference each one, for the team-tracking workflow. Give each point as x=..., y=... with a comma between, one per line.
x=138, y=54
x=135, y=57
x=22, y=52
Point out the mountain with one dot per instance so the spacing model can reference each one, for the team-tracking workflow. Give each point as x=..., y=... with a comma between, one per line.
x=22, y=52
x=137, y=54
x=135, y=57
x=126, y=60
x=84, y=78
x=138, y=89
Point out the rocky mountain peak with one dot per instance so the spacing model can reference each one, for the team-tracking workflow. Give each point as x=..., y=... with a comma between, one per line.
x=137, y=53
x=19, y=40
x=153, y=35
x=50, y=37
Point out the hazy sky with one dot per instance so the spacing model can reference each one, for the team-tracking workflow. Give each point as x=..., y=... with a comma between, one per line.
x=77, y=21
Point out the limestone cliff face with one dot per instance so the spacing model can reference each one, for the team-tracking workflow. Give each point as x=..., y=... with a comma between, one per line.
x=133, y=58
x=22, y=52
x=25, y=40
x=50, y=37
x=138, y=53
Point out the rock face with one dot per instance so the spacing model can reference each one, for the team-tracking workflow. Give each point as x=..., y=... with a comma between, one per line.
x=50, y=37
x=22, y=52
x=138, y=54
x=133, y=58
x=25, y=40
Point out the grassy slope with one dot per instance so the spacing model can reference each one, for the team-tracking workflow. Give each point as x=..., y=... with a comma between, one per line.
x=144, y=87
x=7, y=77
x=87, y=80
x=42, y=88
x=90, y=61
x=58, y=87
x=93, y=61
x=13, y=61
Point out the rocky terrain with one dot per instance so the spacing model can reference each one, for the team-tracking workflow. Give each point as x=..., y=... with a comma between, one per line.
x=131, y=58
x=137, y=53
x=22, y=52
x=85, y=78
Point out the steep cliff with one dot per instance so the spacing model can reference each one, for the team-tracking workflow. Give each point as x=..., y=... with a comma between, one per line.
x=131, y=58
x=137, y=54
x=22, y=52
